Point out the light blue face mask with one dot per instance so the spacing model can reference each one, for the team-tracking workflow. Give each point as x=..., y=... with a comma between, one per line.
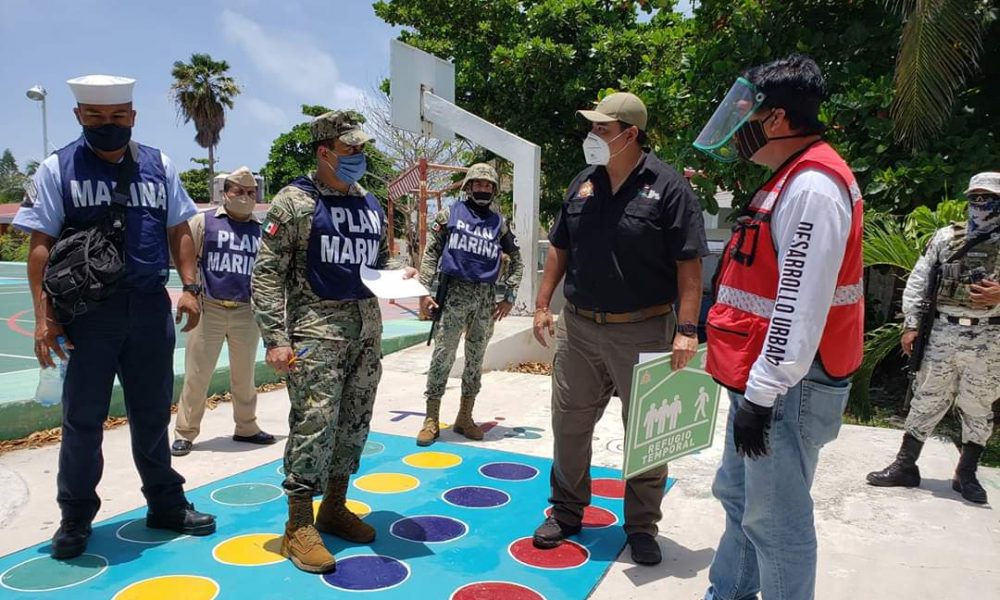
x=350, y=167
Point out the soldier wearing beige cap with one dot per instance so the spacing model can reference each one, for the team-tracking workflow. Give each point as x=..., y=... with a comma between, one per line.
x=104, y=177
x=961, y=363
x=226, y=241
x=629, y=240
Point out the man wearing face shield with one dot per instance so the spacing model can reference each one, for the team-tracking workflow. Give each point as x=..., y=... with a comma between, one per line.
x=323, y=327
x=226, y=242
x=629, y=240
x=786, y=330
x=130, y=333
x=960, y=366
x=468, y=240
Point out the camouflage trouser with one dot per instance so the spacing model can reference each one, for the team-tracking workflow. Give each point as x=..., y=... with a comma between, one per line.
x=331, y=393
x=469, y=309
x=961, y=367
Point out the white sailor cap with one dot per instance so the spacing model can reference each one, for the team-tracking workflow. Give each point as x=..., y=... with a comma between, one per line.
x=102, y=89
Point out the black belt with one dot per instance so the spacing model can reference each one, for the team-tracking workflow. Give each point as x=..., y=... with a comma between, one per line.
x=969, y=321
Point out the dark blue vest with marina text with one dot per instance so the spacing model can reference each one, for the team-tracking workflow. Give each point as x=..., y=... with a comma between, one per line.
x=227, y=257
x=472, y=249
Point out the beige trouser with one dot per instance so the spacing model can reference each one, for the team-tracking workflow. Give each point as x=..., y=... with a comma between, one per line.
x=591, y=362
x=237, y=327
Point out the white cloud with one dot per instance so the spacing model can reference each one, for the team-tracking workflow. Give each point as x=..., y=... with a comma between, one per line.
x=264, y=112
x=292, y=61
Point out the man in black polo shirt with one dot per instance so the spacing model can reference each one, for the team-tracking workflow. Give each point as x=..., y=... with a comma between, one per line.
x=629, y=237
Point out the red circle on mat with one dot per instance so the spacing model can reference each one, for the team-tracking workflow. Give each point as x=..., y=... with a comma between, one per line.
x=594, y=517
x=608, y=488
x=567, y=555
x=495, y=590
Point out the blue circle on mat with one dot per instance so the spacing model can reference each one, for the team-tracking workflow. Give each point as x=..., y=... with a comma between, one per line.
x=247, y=494
x=430, y=529
x=367, y=573
x=476, y=496
x=508, y=471
x=372, y=448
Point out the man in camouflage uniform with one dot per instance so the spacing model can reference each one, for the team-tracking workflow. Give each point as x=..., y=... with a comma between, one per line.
x=323, y=327
x=467, y=239
x=961, y=365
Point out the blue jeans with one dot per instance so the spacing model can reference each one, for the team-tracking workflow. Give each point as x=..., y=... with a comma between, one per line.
x=769, y=544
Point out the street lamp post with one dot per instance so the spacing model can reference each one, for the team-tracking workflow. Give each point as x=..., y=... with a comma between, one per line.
x=38, y=93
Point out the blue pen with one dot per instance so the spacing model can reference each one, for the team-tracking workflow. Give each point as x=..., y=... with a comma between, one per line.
x=298, y=355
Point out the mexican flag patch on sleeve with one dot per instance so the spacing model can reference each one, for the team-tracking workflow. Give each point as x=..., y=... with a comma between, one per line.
x=270, y=228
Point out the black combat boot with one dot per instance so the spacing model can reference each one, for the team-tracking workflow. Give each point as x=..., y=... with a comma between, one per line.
x=182, y=519
x=965, y=481
x=904, y=470
x=71, y=539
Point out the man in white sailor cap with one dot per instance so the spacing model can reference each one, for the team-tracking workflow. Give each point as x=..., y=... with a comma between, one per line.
x=130, y=333
x=226, y=241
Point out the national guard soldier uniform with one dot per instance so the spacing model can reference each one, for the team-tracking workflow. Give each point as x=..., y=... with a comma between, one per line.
x=629, y=239
x=226, y=243
x=468, y=240
x=961, y=366
x=322, y=326
x=130, y=333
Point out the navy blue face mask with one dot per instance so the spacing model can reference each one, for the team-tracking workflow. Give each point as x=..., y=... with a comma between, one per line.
x=109, y=137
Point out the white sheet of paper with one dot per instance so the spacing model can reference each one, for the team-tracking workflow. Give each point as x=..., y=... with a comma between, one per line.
x=648, y=356
x=391, y=285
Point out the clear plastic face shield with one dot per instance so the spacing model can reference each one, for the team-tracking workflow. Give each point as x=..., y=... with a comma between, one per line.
x=716, y=139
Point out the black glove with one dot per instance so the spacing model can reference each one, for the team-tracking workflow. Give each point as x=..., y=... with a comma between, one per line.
x=750, y=429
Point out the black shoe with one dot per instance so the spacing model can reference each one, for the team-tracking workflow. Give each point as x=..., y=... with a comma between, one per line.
x=551, y=533
x=71, y=538
x=965, y=481
x=260, y=438
x=903, y=472
x=181, y=447
x=182, y=519
x=645, y=550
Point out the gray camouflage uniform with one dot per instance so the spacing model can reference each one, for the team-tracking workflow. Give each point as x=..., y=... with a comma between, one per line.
x=961, y=366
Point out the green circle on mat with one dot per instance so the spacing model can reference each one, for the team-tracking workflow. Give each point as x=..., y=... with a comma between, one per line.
x=46, y=574
x=247, y=494
x=372, y=448
x=136, y=531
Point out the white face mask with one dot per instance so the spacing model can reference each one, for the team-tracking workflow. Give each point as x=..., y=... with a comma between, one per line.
x=240, y=206
x=596, y=151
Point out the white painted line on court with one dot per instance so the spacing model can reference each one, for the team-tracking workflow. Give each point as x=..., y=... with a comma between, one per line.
x=2, y=355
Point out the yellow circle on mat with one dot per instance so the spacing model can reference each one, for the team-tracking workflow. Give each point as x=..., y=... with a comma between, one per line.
x=433, y=460
x=386, y=483
x=170, y=587
x=355, y=506
x=250, y=550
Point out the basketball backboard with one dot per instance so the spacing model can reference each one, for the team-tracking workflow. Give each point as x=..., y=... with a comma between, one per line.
x=411, y=72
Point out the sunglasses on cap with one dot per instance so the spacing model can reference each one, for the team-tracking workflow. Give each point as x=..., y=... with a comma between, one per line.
x=983, y=197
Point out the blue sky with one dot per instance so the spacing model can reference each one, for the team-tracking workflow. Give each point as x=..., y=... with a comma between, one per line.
x=284, y=53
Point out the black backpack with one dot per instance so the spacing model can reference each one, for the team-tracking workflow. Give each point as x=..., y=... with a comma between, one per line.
x=88, y=261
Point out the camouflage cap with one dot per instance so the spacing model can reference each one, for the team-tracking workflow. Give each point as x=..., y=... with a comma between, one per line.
x=984, y=182
x=481, y=171
x=242, y=176
x=344, y=125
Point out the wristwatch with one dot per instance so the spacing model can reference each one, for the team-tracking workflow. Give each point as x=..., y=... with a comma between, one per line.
x=687, y=329
x=192, y=288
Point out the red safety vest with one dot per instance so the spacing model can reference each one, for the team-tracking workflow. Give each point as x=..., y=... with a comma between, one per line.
x=746, y=293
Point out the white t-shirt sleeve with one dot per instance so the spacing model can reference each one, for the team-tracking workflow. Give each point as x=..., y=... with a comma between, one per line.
x=180, y=206
x=810, y=226
x=42, y=210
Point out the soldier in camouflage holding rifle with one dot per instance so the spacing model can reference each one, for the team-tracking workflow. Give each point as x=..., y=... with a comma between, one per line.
x=961, y=366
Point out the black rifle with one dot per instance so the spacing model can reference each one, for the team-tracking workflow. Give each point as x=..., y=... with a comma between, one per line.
x=927, y=311
x=439, y=299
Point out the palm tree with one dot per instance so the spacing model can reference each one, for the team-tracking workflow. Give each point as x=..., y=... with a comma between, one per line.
x=894, y=242
x=939, y=47
x=203, y=91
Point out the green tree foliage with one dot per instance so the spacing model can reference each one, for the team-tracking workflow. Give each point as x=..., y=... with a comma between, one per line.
x=11, y=179
x=203, y=91
x=528, y=65
x=197, y=182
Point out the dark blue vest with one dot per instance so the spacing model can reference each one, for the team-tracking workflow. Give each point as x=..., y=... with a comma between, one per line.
x=87, y=183
x=227, y=257
x=346, y=233
x=472, y=250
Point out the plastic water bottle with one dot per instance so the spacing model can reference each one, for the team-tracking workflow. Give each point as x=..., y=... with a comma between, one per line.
x=50, y=381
